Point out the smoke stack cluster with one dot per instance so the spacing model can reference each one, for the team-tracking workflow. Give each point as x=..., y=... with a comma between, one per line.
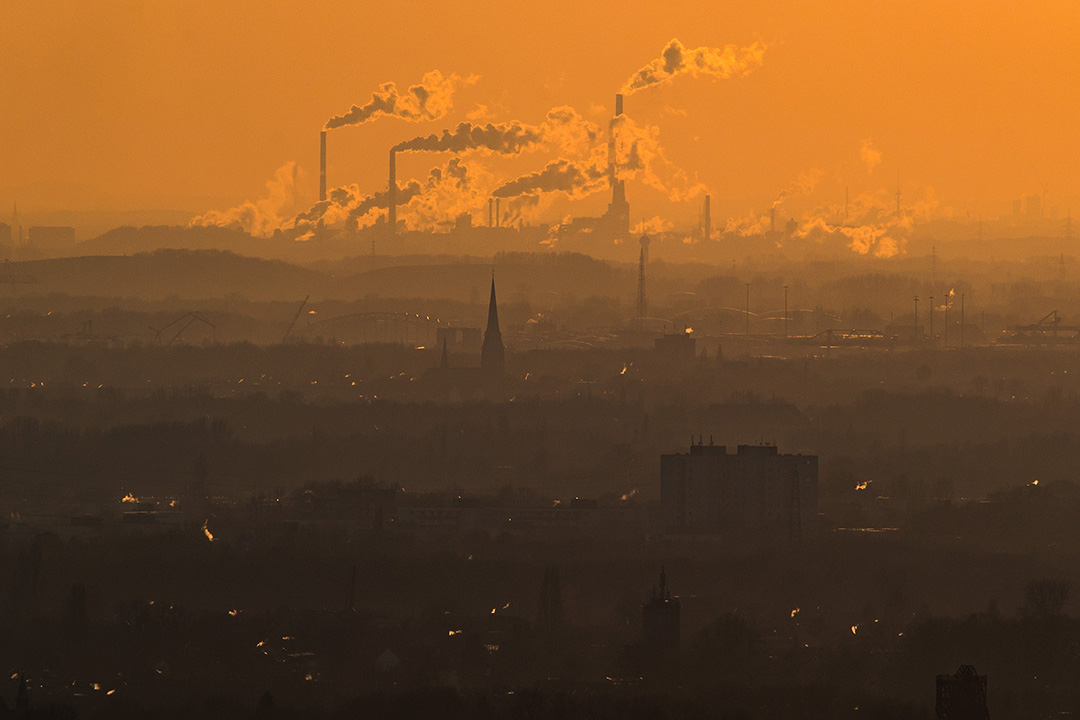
x=391, y=197
x=322, y=166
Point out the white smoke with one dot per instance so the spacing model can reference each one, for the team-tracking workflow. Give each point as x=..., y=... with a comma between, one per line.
x=431, y=99
x=264, y=216
x=869, y=155
x=676, y=59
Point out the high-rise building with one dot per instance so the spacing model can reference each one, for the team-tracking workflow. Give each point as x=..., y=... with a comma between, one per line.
x=492, y=353
x=752, y=498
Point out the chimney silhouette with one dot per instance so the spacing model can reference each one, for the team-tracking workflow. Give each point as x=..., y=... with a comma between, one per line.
x=707, y=221
x=322, y=166
x=618, y=104
x=391, y=196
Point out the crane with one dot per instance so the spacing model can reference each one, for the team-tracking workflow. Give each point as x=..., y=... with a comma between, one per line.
x=296, y=317
x=191, y=317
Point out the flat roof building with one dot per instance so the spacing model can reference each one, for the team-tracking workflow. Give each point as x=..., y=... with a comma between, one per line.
x=754, y=497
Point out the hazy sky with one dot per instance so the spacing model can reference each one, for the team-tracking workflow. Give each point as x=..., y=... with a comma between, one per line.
x=195, y=104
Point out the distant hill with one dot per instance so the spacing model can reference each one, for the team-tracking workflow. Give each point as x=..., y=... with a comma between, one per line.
x=164, y=273
x=539, y=277
x=131, y=240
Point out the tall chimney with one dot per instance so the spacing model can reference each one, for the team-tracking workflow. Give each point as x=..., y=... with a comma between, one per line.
x=498, y=219
x=618, y=104
x=322, y=166
x=707, y=220
x=391, y=195
x=491, y=212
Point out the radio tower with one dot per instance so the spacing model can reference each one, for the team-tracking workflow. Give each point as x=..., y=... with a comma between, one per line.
x=897, y=193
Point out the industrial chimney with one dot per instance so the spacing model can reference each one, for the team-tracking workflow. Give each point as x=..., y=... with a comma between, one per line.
x=491, y=212
x=498, y=218
x=707, y=221
x=391, y=195
x=618, y=104
x=322, y=166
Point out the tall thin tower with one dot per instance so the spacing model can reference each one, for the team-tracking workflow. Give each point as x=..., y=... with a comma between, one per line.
x=642, y=302
x=897, y=193
x=391, y=195
x=492, y=352
x=322, y=166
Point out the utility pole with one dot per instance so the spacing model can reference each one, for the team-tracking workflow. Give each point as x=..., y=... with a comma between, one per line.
x=931, y=321
x=946, y=341
x=785, y=312
x=915, y=329
x=748, y=319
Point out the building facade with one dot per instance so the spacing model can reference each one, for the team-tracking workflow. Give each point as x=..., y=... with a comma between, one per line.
x=754, y=497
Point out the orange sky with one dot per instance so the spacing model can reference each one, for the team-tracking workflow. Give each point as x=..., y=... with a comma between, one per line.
x=193, y=105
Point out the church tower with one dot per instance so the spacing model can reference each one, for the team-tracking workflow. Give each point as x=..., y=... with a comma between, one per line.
x=492, y=353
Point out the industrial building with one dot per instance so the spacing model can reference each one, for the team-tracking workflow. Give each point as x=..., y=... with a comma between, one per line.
x=753, y=498
x=660, y=626
x=962, y=696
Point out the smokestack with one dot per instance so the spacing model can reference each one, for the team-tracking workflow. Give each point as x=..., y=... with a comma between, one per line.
x=707, y=220
x=498, y=216
x=322, y=166
x=618, y=104
x=391, y=198
x=491, y=212
x=772, y=220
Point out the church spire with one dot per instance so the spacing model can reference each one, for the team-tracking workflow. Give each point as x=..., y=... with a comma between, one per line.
x=493, y=354
x=493, y=309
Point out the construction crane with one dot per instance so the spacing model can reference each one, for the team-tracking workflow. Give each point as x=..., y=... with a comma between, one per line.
x=296, y=317
x=191, y=317
x=1047, y=331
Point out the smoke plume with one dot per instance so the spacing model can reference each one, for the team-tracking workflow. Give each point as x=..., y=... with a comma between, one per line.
x=503, y=138
x=561, y=175
x=803, y=185
x=263, y=216
x=869, y=155
x=676, y=59
x=430, y=99
x=873, y=226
